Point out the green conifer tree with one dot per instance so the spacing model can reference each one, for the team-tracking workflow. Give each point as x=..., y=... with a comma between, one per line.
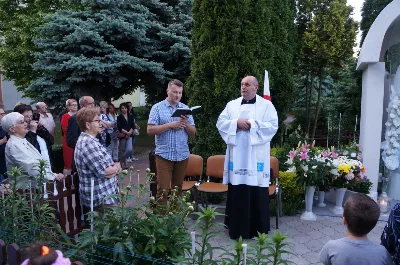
x=232, y=39
x=107, y=50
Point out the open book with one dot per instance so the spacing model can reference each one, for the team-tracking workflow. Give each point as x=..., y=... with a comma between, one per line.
x=181, y=111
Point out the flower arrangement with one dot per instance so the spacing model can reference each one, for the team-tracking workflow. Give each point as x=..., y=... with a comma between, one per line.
x=392, y=136
x=346, y=172
x=312, y=167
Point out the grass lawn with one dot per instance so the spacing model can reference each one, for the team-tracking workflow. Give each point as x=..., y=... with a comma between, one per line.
x=142, y=140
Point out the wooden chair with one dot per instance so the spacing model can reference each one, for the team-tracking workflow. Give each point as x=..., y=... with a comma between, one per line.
x=214, y=168
x=274, y=188
x=193, y=173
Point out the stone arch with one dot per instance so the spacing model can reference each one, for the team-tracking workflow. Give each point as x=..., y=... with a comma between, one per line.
x=384, y=33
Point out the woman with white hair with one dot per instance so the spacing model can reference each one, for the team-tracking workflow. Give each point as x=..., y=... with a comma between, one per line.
x=19, y=152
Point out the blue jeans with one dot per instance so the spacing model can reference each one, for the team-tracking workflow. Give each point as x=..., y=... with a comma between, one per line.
x=133, y=142
x=125, y=149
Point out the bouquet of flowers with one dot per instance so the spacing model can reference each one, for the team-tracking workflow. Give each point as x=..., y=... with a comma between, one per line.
x=312, y=167
x=346, y=171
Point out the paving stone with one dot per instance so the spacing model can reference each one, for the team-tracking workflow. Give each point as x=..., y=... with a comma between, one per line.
x=314, y=245
x=300, y=249
x=328, y=231
x=312, y=257
x=315, y=234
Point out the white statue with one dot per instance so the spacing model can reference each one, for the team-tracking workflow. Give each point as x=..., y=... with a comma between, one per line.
x=391, y=154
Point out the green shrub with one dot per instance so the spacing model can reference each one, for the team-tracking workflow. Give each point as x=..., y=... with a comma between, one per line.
x=292, y=195
x=281, y=154
x=363, y=186
x=287, y=181
x=141, y=113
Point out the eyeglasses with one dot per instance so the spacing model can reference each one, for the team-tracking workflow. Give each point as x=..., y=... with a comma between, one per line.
x=74, y=105
x=98, y=121
x=20, y=121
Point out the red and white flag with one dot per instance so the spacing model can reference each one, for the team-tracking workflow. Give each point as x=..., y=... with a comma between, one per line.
x=267, y=93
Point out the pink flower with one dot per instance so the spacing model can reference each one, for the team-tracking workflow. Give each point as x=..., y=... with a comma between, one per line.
x=292, y=154
x=325, y=154
x=362, y=176
x=334, y=155
x=349, y=176
x=304, y=148
x=303, y=156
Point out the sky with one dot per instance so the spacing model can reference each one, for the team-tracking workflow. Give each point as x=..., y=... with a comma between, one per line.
x=356, y=4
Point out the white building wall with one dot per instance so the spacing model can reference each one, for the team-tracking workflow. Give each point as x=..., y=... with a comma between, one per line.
x=11, y=96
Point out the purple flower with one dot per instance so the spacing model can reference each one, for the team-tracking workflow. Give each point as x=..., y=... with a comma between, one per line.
x=292, y=154
x=325, y=154
x=303, y=156
x=334, y=155
x=304, y=148
x=349, y=176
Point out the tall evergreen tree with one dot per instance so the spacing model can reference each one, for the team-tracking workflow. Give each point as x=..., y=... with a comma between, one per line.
x=369, y=11
x=232, y=39
x=173, y=43
x=107, y=50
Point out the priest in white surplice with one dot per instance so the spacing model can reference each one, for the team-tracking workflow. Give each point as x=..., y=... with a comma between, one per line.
x=247, y=126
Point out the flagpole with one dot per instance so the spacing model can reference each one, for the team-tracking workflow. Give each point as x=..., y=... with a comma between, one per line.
x=267, y=94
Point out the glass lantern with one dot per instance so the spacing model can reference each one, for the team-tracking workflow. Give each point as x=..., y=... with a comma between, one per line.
x=384, y=203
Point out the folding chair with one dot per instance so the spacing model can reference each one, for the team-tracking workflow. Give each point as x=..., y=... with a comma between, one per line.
x=214, y=168
x=275, y=188
x=193, y=172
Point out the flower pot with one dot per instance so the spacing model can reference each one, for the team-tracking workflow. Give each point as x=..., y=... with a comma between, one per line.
x=308, y=214
x=338, y=209
x=321, y=198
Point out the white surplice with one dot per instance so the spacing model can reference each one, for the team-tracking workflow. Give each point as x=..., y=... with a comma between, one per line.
x=248, y=152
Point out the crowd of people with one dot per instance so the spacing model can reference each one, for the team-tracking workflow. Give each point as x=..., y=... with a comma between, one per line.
x=94, y=136
x=98, y=143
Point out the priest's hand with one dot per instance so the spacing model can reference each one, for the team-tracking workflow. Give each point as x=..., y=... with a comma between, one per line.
x=243, y=124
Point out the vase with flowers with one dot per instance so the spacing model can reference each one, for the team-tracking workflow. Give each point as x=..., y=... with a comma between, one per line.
x=346, y=172
x=312, y=170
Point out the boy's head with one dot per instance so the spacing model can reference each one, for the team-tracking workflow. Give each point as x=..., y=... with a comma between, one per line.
x=361, y=213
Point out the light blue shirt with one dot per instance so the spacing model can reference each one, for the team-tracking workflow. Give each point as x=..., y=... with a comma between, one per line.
x=172, y=144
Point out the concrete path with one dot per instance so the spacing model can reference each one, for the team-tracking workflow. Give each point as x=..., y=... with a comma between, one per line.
x=306, y=237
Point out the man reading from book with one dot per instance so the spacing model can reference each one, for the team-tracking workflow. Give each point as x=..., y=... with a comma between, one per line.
x=172, y=150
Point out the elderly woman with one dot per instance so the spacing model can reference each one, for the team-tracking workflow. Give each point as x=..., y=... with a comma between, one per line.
x=94, y=162
x=19, y=152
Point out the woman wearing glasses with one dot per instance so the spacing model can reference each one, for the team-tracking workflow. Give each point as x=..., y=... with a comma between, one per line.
x=19, y=152
x=68, y=152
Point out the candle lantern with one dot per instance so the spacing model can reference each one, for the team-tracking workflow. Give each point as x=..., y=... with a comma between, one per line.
x=384, y=203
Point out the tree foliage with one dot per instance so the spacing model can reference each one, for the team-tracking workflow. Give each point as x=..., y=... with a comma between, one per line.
x=369, y=12
x=19, y=20
x=327, y=42
x=173, y=43
x=232, y=39
x=110, y=48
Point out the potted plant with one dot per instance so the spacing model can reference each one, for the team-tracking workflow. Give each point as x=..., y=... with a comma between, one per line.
x=312, y=169
x=346, y=172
